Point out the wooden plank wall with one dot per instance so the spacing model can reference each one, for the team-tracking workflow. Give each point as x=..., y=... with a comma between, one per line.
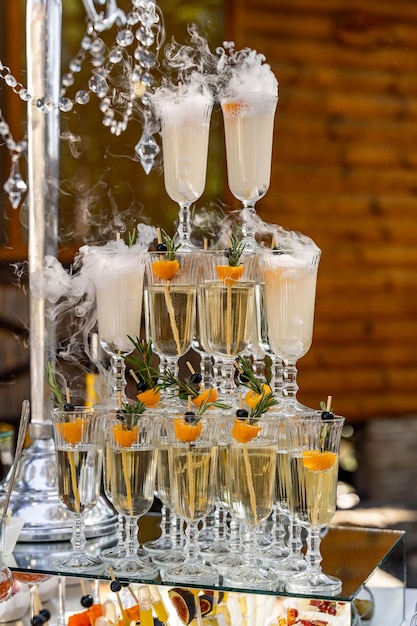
x=345, y=173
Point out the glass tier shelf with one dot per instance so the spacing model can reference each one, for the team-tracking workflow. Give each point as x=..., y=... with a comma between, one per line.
x=350, y=553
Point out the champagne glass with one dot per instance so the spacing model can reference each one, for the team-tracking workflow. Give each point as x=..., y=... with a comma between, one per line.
x=132, y=453
x=185, y=123
x=79, y=443
x=227, y=310
x=117, y=272
x=250, y=477
x=171, y=301
x=248, y=126
x=290, y=277
x=192, y=457
x=313, y=445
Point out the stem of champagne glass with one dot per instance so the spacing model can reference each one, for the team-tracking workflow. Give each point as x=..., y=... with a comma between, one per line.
x=290, y=380
x=277, y=371
x=131, y=540
x=295, y=542
x=249, y=225
x=192, y=547
x=227, y=382
x=313, y=554
x=249, y=544
x=184, y=226
x=118, y=376
x=78, y=539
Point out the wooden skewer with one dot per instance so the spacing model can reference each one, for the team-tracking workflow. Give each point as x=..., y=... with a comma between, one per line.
x=133, y=375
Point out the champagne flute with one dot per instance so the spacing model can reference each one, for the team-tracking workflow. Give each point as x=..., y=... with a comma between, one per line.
x=290, y=277
x=185, y=122
x=132, y=453
x=227, y=309
x=117, y=272
x=248, y=126
x=192, y=456
x=171, y=302
x=250, y=477
x=313, y=445
x=79, y=443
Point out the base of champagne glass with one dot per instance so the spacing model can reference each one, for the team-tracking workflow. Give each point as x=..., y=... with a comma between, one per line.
x=192, y=573
x=78, y=563
x=214, y=550
x=225, y=563
x=173, y=557
x=135, y=568
x=247, y=577
x=163, y=544
x=314, y=583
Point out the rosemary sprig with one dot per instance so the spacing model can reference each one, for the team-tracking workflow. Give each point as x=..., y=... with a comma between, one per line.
x=266, y=402
x=131, y=237
x=210, y=405
x=247, y=376
x=57, y=394
x=236, y=247
x=129, y=414
x=184, y=389
x=171, y=245
x=143, y=366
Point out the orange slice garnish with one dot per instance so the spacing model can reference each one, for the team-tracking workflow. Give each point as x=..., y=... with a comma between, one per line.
x=72, y=431
x=150, y=397
x=243, y=432
x=208, y=395
x=252, y=398
x=187, y=431
x=318, y=461
x=165, y=269
x=229, y=273
x=124, y=437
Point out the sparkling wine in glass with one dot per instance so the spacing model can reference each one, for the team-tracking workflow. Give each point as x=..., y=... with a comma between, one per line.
x=132, y=439
x=248, y=126
x=250, y=477
x=313, y=445
x=290, y=277
x=171, y=304
x=227, y=307
x=117, y=272
x=79, y=443
x=185, y=123
x=192, y=456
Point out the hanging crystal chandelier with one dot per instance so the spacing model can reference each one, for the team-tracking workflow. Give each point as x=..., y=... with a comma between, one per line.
x=121, y=79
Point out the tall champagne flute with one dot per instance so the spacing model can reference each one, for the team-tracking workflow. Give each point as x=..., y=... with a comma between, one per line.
x=171, y=302
x=132, y=438
x=192, y=456
x=250, y=477
x=290, y=277
x=248, y=126
x=79, y=443
x=313, y=445
x=117, y=272
x=185, y=123
x=227, y=306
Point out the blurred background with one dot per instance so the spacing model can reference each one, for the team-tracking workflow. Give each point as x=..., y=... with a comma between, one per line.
x=344, y=173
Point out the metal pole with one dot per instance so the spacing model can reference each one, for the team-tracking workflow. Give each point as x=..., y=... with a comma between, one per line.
x=43, y=57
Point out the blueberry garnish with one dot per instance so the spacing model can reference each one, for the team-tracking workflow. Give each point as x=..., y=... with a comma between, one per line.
x=68, y=406
x=277, y=250
x=196, y=378
x=87, y=601
x=161, y=247
x=115, y=586
x=141, y=386
x=45, y=614
x=242, y=413
x=189, y=417
x=327, y=415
